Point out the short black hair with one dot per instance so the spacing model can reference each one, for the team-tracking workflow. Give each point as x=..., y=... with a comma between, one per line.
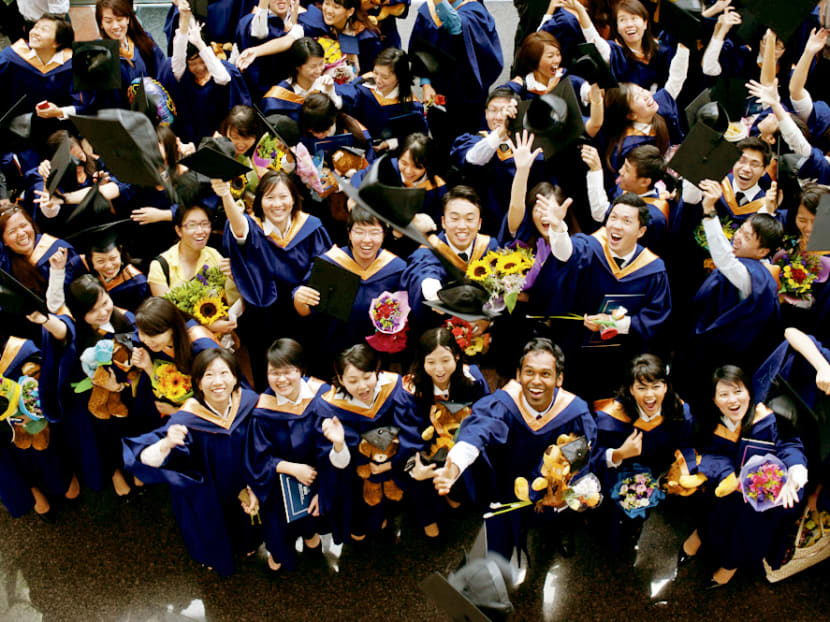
x=501, y=92
x=461, y=192
x=286, y=352
x=361, y=216
x=769, y=230
x=543, y=344
x=201, y=363
x=756, y=143
x=632, y=200
x=360, y=356
x=811, y=194
x=648, y=162
x=64, y=33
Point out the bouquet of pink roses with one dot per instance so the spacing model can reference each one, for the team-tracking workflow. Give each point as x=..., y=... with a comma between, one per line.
x=762, y=478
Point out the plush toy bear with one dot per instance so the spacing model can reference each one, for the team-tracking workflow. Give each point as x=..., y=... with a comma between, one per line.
x=446, y=418
x=378, y=446
x=555, y=471
x=102, y=403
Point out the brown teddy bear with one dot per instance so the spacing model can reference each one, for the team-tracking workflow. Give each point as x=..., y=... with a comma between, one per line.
x=378, y=446
x=446, y=418
x=678, y=480
x=102, y=403
x=555, y=473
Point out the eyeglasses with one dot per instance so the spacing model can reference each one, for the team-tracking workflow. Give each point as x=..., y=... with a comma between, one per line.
x=195, y=226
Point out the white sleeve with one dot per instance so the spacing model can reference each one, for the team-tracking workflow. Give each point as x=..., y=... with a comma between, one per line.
x=794, y=138
x=678, y=69
x=57, y=7
x=623, y=325
x=340, y=459
x=561, y=246
x=153, y=456
x=217, y=70
x=603, y=47
x=429, y=289
x=296, y=32
x=609, y=462
x=711, y=66
x=178, y=61
x=259, y=24
x=462, y=455
x=66, y=111
x=54, y=291
x=803, y=107
x=691, y=193
x=483, y=151
x=724, y=257
x=597, y=199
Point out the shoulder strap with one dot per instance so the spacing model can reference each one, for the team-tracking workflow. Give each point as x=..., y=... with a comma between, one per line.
x=165, y=267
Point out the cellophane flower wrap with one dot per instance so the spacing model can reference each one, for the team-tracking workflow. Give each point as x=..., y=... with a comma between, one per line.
x=762, y=478
x=502, y=273
x=636, y=491
x=203, y=296
x=170, y=384
x=799, y=271
x=389, y=312
x=584, y=494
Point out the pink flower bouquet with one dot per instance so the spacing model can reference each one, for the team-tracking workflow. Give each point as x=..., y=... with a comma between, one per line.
x=388, y=313
x=762, y=478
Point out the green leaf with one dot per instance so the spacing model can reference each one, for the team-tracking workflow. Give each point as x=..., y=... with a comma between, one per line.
x=83, y=385
x=35, y=426
x=510, y=301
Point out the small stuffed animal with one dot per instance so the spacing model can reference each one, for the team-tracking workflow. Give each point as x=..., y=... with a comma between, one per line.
x=378, y=445
x=679, y=481
x=102, y=403
x=446, y=418
x=555, y=473
x=29, y=433
x=346, y=162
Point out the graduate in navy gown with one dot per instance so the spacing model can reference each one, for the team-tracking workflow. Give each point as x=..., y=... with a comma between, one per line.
x=378, y=269
x=270, y=253
x=223, y=16
x=283, y=443
x=506, y=435
x=644, y=424
x=367, y=429
x=731, y=532
x=200, y=452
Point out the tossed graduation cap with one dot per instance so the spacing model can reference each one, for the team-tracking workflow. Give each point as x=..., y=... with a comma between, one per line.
x=59, y=166
x=337, y=286
x=93, y=204
x=16, y=298
x=820, y=235
x=280, y=126
x=554, y=118
x=99, y=236
x=732, y=94
x=140, y=102
x=783, y=18
x=213, y=160
x=96, y=65
x=17, y=108
x=704, y=154
x=461, y=299
x=428, y=60
x=127, y=143
x=592, y=67
x=680, y=23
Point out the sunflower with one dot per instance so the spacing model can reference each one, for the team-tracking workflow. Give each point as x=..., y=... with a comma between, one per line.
x=511, y=263
x=479, y=270
x=209, y=309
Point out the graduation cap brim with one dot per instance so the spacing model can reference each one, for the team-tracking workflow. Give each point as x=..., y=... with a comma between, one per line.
x=704, y=154
x=96, y=65
x=59, y=166
x=337, y=287
x=16, y=298
x=427, y=60
x=458, y=607
x=467, y=317
x=126, y=142
x=333, y=143
x=99, y=235
x=681, y=24
x=592, y=67
x=214, y=164
x=17, y=108
x=93, y=204
x=820, y=235
x=553, y=139
x=269, y=127
x=783, y=18
x=454, y=407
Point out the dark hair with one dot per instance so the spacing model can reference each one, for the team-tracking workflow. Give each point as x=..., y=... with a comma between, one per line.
x=269, y=181
x=398, y=61
x=157, y=315
x=82, y=295
x=649, y=368
x=124, y=8
x=57, y=138
x=543, y=344
x=430, y=340
x=546, y=189
x=203, y=361
x=811, y=194
x=360, y=356
x=300, y=51
x=467, y=193
x=756, y=143
x=648, y=162
x=318, y=113
x=531, y=50
x=769, y=230
x=361, y=216
x=286, y=352
x=244, y=120
x=501, y=92
x=733, y=374
x=167, y=140
x=64, y=33
x=649, y=44
x=21, y=267
x=617, y=109
x=184, y=210
x=632, y=200
x=359, y=14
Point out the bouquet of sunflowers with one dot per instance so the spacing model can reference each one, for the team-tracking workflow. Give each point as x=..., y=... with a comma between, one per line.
x=170, y=384
x=203, y=296
x=502, y=273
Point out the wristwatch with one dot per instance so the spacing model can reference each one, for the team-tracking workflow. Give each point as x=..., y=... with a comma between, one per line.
x=712, y=214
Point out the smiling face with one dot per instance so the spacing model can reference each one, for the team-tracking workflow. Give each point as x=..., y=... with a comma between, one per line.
x=629, y=181
x=410, y=172
x=804, y=220
x=42, y=36
x=336, y=15
x=649, y=395
x=358, y=383
x=495, y=112
x=285, y=381
x=310, y=70
x=732, y=400
x=440, y=365
x=277, y=204
x=745, y=243
x=539, y=379
x=385, y=79
x=549, y=62
x=461, y=222
x=19, y=235
x=280, y=7
x=101, y=313
x=159, y=342
x=748, y=169
x=631, y=27
x=114, y=26
x=241, y=144
x=194, y=230
x=106, y=264
x=624, y=229
x=217, y=384
x=641, y=104
x=365, y=241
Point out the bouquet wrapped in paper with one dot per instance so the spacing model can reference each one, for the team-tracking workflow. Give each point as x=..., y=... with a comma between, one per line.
x=502, y=273
x=636, y=491
x=389, y=312
x=762, y=478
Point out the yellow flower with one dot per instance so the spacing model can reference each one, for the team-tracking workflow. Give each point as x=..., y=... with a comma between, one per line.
x=479, y=270
x=511, y=263
x=331, y=50
x=209, y=309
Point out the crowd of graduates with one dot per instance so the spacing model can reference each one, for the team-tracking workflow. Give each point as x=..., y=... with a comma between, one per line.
x=195, y=242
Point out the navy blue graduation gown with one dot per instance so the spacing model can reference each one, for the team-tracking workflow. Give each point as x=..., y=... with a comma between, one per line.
x=20, y=76
x=434, y=186
x=519, y=87
x=564, y=26
x=341, y=490
x=222, y=19
x=265, y=70
x=205, y=475
x=281, y=99
x=368, y=41
x=648, y=75
x=127, y=290
x=374, y=111
x=277, y=433
x=793, y=367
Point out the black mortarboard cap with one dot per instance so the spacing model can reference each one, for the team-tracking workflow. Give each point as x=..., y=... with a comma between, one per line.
x=17, y=108
x=732, y=94
x=382, y=437
x=280, y=126
x=127, y=143
x=199, y=8
x=454, y=407
x=59, y=166
x=486, y=583
x=555, y=119
x=337, y=286
x=140, y=102
x=458, y=607
x=16, y=298
x=213, y=161
x=99, y=236
x=403, y=125
x=592, y=67
x=428, y=60
x=820, y=235
x=96, y=65
x=683, y=25
x=94, y=204
x=704, y=154
x=461, y=299
x=783, y=18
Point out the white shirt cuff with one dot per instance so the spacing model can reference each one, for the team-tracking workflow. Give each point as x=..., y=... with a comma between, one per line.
x=462, y=455
x=561, y=246
x=153, y=456
x=597, y=199
x=259, y=24
x=429, y=289
x=217, y=70
x=340, y=459
x=609, y=461
x=798, y=474
x=803, y=107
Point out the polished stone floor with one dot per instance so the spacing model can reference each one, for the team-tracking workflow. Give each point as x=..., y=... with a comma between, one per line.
x=105, y=559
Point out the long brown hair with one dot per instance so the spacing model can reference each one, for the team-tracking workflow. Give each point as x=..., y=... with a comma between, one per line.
x=158, y=315
x=123, y=8
x=617, y=109
x=649, y=44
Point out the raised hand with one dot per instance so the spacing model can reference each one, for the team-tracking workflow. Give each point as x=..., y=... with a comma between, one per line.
x=58, y=259
x=523, y=157
x=766, y=94
x=816, y=41
x=333, y=431
x=590, y=156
